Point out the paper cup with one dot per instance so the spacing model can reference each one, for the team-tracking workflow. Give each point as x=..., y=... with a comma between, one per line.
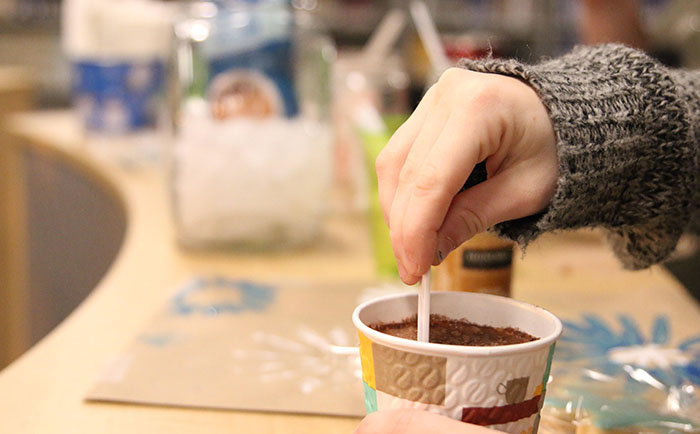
x=501, y=387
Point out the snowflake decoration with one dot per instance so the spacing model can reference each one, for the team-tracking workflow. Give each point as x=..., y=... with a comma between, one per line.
x=623, y=378
x=217, y=295
x=307, y=358
x=651, y=361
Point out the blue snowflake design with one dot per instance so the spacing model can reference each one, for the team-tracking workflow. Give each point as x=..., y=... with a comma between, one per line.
x=236, y=296
x=627, y=351
x=626, y=379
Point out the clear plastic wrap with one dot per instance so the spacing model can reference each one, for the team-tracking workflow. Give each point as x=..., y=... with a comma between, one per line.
x=609, y=378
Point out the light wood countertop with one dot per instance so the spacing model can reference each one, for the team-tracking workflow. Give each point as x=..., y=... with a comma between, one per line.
x=42, y=392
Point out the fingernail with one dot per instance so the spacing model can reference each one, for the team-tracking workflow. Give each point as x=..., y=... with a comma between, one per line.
x=445, y=246
x=402, y=270
x=437, y=259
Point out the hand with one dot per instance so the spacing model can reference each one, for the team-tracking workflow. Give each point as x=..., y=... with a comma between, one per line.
x=410, y=421
x=463, y=119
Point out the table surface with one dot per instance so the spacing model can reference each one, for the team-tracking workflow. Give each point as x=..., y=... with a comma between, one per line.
x=43, y=391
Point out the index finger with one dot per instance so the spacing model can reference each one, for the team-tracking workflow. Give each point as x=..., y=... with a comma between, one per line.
x=391, y=160
x=454, y=155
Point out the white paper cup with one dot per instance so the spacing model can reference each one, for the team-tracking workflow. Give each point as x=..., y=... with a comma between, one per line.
x=501, y=387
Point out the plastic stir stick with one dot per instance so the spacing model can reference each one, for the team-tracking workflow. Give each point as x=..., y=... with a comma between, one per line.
x=424, y=308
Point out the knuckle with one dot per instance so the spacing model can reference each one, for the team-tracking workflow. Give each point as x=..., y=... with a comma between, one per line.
x=386, y=158
x=472, y=221
x=449, y=83
x=427, y=181
x=487, y=94
x=382, y=163
x=407, y=174
x=450, y=75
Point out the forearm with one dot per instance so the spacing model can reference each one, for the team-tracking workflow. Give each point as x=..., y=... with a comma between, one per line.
x=627, y=148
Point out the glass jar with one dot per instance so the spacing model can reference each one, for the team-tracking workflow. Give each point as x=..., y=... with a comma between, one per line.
x=251, y=139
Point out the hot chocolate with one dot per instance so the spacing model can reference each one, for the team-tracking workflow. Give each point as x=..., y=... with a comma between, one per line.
x=444, y=330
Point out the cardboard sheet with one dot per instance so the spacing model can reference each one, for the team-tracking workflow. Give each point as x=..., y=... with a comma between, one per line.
x=235, y=344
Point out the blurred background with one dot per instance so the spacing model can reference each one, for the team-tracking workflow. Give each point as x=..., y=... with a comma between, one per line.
x=31, y=30
x=135, y=77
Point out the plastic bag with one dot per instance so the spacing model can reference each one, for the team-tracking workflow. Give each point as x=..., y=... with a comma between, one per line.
x=615, y=379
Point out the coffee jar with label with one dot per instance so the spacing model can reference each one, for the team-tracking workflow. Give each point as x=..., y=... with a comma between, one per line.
x=482, y=264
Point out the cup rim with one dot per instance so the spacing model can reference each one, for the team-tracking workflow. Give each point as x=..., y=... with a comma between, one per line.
x=458, y=350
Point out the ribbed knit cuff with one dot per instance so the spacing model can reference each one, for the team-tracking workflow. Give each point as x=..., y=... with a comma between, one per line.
x=625, y=145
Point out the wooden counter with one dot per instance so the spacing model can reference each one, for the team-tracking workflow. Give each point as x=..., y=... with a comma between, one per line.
x=42, y=392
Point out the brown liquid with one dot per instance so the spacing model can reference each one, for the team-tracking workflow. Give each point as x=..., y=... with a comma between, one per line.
x=444, y=330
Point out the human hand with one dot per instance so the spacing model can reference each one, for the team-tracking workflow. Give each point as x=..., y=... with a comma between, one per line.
x=463, y=119
x=409, y=421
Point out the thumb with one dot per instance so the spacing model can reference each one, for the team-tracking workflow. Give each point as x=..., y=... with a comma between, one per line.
x=506, y=196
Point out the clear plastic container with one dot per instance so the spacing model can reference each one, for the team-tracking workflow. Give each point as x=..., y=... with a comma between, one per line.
x=252, y=143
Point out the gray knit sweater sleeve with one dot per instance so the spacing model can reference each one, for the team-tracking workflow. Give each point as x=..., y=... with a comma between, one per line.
x=627, y=134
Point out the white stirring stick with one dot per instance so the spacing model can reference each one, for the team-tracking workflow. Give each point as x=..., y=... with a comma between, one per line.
x=439, y=61
x=424, y=308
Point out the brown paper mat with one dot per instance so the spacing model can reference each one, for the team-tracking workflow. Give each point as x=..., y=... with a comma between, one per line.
x=235, y=344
